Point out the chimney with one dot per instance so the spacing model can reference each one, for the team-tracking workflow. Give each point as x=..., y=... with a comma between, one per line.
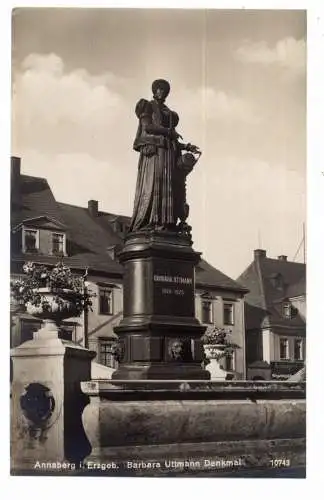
x=111, y=251
x=93, y=208
x=282, y=257
x=259, y=254
x=15, y=177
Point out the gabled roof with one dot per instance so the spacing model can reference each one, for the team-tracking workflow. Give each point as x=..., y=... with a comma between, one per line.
x=89, y=231
x=89, y=240
x=251, y=278
x=291, y=272
x=209, y=276
x=266, y=293
x=297, y=289
x=110, y=218
x=41, y=220
x=35, y=200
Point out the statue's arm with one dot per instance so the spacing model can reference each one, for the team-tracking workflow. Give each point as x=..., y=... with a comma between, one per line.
x=151, y=128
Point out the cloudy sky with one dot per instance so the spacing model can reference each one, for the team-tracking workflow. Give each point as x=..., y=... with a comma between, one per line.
x=238, y=83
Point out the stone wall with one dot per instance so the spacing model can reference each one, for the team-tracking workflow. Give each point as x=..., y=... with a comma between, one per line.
x=247, y=425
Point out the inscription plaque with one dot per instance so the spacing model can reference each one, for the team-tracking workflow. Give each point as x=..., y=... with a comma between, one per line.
x=173, y=285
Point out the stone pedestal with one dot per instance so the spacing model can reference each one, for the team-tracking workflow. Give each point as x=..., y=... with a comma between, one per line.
x=216, y=371
x=47, y=402
x=214, y=368
x=159, y=334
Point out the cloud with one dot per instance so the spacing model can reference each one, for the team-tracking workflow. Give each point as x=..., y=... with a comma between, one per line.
x=216, y=104
x=50, y=63
x=65, y=111
x=61, y=111
x=288, y=53
x=208, y=114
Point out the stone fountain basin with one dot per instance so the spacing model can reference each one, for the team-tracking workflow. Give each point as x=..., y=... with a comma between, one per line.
x=145, y=421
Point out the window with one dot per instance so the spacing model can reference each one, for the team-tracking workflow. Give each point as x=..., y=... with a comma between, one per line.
x=207, y=311
x=105, y=300
x=105, y=356
x=113, y=251
x=228, y=314
x=284, y=349
x=27, y=329
x=229, y=362
x=68, y=332
x=286, y=310
x=298, y=349
x=277, y=281
x=30, y=240
x=58, y=243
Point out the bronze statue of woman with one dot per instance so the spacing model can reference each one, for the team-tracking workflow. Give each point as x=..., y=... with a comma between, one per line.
x=160, y=189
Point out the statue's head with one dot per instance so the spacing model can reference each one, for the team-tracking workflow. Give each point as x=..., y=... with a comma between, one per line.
x=160, y=89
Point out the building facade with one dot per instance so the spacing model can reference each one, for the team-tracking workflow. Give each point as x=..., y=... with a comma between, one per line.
x=220, y=303
x=275, y=316
x=44, y=231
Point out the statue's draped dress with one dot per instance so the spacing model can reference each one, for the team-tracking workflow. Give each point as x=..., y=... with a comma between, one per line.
x=155, y=201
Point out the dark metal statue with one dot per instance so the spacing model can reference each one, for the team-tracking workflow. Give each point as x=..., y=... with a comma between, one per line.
x=160, y=198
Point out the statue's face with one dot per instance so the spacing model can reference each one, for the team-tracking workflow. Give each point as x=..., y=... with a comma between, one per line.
x=161, y=93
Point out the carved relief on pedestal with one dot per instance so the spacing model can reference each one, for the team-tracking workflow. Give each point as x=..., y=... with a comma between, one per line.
x=180, y=350
x=39, y=411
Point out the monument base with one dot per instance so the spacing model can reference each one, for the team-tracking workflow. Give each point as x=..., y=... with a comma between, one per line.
x=161, y=371
x=159, y=335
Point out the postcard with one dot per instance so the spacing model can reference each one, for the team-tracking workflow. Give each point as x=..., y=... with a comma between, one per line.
x=158, y=243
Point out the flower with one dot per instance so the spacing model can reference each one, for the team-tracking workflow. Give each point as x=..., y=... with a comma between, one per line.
x=28, y=267
x=59, y=280
x=116, y=350
x=215, y=335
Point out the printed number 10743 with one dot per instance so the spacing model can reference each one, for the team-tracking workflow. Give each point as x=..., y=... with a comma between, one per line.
x=280, y=462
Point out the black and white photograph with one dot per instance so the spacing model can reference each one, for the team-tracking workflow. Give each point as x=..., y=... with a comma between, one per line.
x=158, y=242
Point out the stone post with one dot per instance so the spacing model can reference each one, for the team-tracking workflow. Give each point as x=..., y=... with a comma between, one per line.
x=47, y=402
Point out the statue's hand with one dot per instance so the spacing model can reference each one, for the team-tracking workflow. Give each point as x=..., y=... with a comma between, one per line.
x=192, y=148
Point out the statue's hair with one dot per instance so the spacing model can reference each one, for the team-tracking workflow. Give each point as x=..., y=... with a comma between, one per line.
x=160, y=83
